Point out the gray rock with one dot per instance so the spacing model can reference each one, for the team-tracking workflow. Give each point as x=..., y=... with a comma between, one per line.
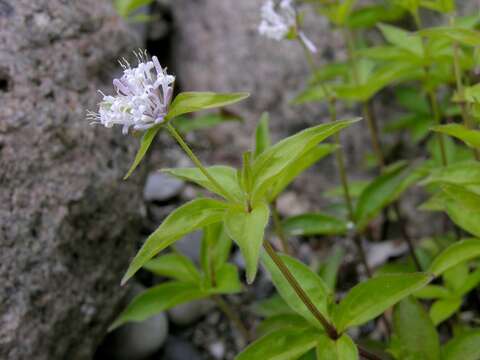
x=217, y=349
x=136, y=340
x=190, y=245
x=179, y=349
x=161, y=187
x=188, y=313
x=66, y=216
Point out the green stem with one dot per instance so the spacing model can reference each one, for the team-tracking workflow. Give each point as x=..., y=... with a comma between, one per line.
x=197, y=162
x=294, y=284
x=339, y=155
x=436, y=116
x=375, y=139
x=277, y=260
x=460, y=91
x=277, y=224
x=406, y=236
x=431, y=95
x=373, y=128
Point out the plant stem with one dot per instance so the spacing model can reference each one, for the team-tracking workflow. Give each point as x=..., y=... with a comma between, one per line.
x=375, y=139
x=406, y=236
x=396, y=208
x=197, y=162
x=431, y=96
x=460, y=91
x=329, y=328
x=373, y=128
x=277, y=224
x=363, y=256
x=436, y=115
x=367, y=354
x=232, y=316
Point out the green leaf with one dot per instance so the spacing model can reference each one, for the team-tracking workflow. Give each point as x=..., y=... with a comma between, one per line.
x=126, y=7
x=355, y=189
x=344, y=10
x=470, y=94
x=330, y=71
x=303, y=162
x=410, y=5
x=444, y=6
x=471, y=282
x=280, y=156
x=382, y=191
x=464, y=173
x=455, y=254
x=341, y=349
x=313, y=93
x=456, y=276
x=468, y=136
x=463, y=207
x=157, y=299
x=311, y=283
x=463, y=346
x=442, y=309
x=387, y=53
x=415, y=331
x=215, y=250
x=187, y=218
x=271, y=306
x=247, y=230
x=409, y=99
x=188, y=102
x=262, y=135
x=329, y=270
x=281, y=321
x=403, y=39
x=314, y=224
x=225, y=175
x=227, y=280
x=433, y=292
x=145, y=143
x=369, y=299
x=376, y=81
x=284, y=344
x=310, y=355
x=435, y=203
x=463, y=36
x=175, y=266
x=368, y=16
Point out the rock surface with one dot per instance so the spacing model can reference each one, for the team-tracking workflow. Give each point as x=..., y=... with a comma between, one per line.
x=135, y=340
x=66, y=216
x=161, y=187
x=179, y=349
x=187, y=313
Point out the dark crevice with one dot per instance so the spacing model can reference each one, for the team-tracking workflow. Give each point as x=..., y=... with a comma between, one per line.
x=5, y=83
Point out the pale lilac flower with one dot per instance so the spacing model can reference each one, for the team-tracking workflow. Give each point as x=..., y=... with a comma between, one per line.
x=307, y=42
x=279, y=20
x=143, y=95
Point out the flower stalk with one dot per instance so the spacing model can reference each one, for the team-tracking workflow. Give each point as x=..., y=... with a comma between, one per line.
x=197, y=161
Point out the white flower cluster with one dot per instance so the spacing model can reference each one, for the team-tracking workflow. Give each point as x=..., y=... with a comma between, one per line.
x=143, y=95
x=278, y=20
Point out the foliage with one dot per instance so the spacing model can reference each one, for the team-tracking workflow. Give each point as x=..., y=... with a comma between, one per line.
x=429, y=72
